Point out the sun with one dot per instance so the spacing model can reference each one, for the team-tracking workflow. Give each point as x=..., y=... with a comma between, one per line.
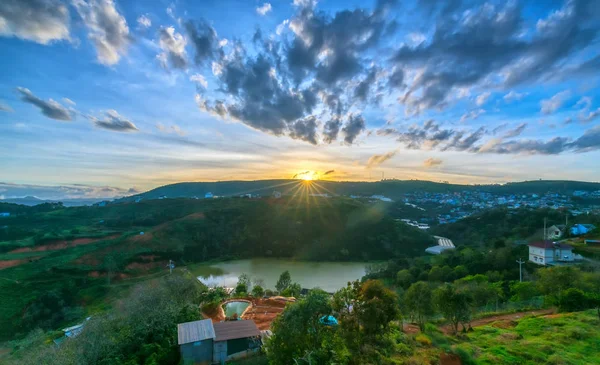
x=307, y=178
x=307, y=175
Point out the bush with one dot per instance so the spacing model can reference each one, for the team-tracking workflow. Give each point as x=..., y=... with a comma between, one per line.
x=572, y=300
x=423, y=340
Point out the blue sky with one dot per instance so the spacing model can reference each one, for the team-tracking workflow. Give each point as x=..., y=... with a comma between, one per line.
x=101, y=97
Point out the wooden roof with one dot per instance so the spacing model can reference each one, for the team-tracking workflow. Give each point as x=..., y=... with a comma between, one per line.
x=195, y=331
x=231, y=330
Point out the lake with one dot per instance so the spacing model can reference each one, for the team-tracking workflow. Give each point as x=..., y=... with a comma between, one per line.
x=329, y=276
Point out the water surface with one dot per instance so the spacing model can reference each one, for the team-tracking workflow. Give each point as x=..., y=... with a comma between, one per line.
x=235, y=307
x=329, y=276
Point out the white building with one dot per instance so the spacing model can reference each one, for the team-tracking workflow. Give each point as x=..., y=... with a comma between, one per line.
x=547, y=253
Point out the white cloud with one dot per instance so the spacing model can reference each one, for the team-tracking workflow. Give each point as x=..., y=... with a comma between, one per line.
x=37, y=21
x=69, y=101
x=512, y=96
x=223, y=42
x=473, y=114
x=281, y=27
x=197, y=78
x=173, y=46
x=144, y=21
x=173, y=128
x=482, y=98
x=264, y=9
x=549, y=106
x=107, y=29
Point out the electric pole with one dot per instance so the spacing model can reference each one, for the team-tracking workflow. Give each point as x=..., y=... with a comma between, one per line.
x=171, y=265
x=520, y=262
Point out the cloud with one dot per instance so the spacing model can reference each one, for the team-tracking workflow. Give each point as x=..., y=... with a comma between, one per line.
x=50, y=108
x=305, y=130
x=332, y=129
x=514, y=96
x=5, y=107
x=264, y=9
x=144, y=21
x=329, y=172
x=482, y=98
x=199, y=79
x=353, y=127
x=473, y=114
x=69, y=101
x=107, y=29
x=549, y=106
x=432, y=162
x=515, y=132
x=484, y=45
x=173, y=128
x=115, y=122
x=377, y=160
x=41, y=21
x=204, y=39
x=173, y=46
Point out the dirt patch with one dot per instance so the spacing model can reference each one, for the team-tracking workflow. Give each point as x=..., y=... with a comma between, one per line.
x=62, y=244
x=96, y=274
x=505, y=324
x=149, y=257
x=5, y=264
x=199, y=215
x=264, y=311
x=146, y=237
x=556, y=315
x=145, y=266
x=450, y=359
x=500, y=320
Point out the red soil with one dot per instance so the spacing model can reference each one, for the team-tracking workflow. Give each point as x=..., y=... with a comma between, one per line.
x=5, y=264
x=62, y=244
x=145, y=266
x=450, y=359
x=500, y=321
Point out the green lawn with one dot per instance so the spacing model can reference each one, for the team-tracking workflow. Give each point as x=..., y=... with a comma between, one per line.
x=570, y=338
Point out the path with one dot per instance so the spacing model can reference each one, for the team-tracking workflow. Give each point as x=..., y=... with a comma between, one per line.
x=447, y=329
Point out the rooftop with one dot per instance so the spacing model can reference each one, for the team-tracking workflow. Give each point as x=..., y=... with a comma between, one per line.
x=195, y=331
x=230, y=330
x=550, y=244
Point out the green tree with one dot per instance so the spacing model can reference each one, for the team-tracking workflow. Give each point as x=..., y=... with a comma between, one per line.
x=244, y=279
x=404, y=278
x=293, y=290
x=376, y=307
x=258, y=291
x=593, y=299
x=553, y=281
x=454, y=305
x=284, y=281
x=298, y=334
x=418, y=300
x=522, y=291
x=573, y=300
x=241, y=289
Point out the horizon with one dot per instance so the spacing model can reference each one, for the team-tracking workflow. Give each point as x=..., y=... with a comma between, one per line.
x=108, y=98
x=86, y=193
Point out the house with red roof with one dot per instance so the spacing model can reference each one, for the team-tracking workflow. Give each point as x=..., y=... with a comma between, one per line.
x=550, y=253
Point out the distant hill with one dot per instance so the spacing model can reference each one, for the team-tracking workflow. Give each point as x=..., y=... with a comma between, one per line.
x=390, y=188
x=32, y=200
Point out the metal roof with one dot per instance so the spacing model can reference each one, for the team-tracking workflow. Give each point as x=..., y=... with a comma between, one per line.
x=232, y=330
x=195, y=331
x=550, y=244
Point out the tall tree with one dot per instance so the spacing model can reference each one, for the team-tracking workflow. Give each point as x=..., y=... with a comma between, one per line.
x=454, y=305
x=418, y=300
x=285, y=279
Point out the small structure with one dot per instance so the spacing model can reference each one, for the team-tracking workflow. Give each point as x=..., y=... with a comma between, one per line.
x=443, y=245
x=208, y=195
x=195, y=340
x=579, y=229
x=5, y=214
x=555, y=232
x=276, y=194
x=202, y=342
x=550, y=253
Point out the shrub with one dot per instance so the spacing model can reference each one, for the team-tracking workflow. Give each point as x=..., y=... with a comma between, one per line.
x=423, y=340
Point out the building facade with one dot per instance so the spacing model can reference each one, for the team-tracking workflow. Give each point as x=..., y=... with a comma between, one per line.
x=549, y=253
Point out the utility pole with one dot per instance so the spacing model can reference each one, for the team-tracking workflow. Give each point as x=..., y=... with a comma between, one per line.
x=171, y=265
x=520, y=262
x=544, y=229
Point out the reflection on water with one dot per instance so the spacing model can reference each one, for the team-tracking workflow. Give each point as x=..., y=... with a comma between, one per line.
x=235, y=307
x=329, y=276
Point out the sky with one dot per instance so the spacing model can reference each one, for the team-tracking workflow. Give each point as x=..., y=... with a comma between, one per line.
x=104, y=98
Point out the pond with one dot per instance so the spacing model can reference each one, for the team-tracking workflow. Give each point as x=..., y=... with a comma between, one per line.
x=235, y=307
x=329, y=276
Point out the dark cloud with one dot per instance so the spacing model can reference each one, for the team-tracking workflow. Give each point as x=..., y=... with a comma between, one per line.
x=41, y=21
x=59, y=192
x=396, y=80
x=377, y=160
x=332, y=129
x=305, y=130
x=204, y=40
x=353, y=127
x=362, y=90
x=115, y=122
x=107, y=29
x=328, y=172
x=515, y=132
x=50, y=108
x=472, y=46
